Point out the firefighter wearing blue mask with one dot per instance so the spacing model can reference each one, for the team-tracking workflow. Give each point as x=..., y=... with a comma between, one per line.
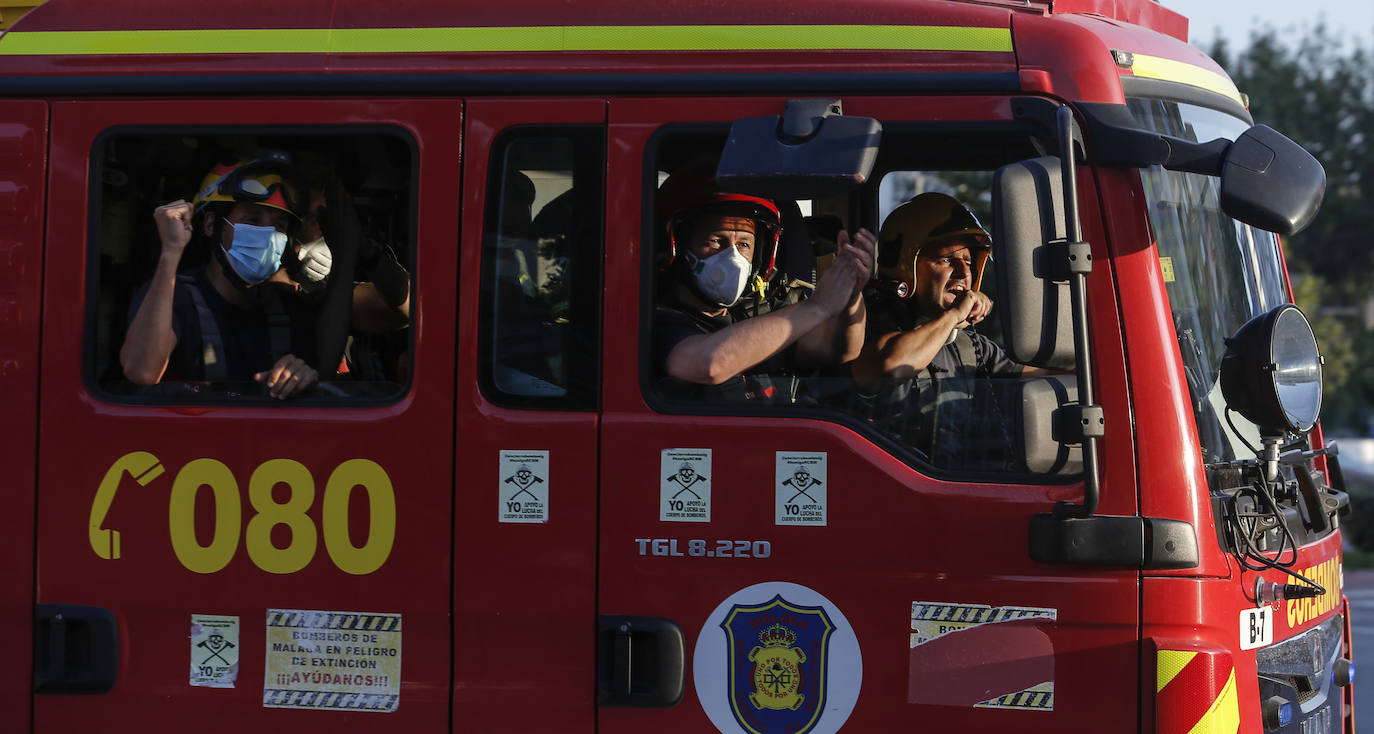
x=720, y=244
x=216, y=324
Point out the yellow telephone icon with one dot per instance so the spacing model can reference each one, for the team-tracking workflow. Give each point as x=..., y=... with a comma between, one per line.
x=144, y=467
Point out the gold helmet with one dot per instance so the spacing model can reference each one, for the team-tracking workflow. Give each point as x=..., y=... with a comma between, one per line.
x=268, y=180
x=928, y=219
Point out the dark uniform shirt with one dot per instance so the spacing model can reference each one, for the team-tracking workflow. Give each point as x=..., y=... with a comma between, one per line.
x=245, y=334
x=771, y=381
x=950, y=411
x=887, y=314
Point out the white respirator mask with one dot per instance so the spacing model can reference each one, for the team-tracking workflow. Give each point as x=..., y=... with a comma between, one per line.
x=722, y=277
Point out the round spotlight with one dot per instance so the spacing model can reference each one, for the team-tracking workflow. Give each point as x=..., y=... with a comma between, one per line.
x=1272, y=372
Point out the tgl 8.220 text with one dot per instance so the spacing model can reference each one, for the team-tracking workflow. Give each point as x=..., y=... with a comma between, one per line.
x=697, y=548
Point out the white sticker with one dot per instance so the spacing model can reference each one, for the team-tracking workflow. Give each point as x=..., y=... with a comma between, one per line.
x=685, y=486
x=801, y=485
x=777, y=657
x=933, y=620
x=214, y=651
x=1256, y=627
x=524, y=486
x=340, y=661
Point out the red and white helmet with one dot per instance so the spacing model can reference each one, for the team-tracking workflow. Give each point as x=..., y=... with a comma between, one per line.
x=691, y=192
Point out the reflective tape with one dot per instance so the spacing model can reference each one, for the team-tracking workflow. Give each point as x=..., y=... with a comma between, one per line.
x=1154, y=67
x=511, y=39
x=1195, y=693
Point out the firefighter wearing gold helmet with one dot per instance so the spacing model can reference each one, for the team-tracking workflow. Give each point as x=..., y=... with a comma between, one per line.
x=920, y=347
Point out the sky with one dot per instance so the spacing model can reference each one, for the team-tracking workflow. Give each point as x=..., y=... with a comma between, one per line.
x=1352, y=20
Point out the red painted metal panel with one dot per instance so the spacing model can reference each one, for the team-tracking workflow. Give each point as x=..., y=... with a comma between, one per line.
x=1170, y=458
x=1143, y=13
x=523, y=594
x=166, y=14
x=91, y=15
x=23, y=167
x=1077, y=62
x=893, y=538
x=150, y=591
x=81, y=15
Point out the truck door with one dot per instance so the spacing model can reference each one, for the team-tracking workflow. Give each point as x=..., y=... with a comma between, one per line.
x=23, y=172
x=801, y=570
x=209, y=558
x=525, y=541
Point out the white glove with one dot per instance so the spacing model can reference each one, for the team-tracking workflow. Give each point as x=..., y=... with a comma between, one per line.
x=316, y=261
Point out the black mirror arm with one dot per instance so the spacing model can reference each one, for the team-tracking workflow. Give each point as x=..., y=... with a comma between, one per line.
x=1117, y=140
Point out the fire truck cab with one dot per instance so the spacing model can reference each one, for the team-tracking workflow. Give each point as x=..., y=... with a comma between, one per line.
x=500, y=520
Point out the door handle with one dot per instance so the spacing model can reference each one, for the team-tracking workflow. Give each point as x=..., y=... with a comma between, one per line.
x=75, y=649
x=641, y=662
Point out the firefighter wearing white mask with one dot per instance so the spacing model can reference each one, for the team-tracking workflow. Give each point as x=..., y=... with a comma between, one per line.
x=721, y=242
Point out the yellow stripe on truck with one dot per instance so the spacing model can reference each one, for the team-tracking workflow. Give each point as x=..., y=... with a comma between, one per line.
x=1154, y=67
x=511, y=39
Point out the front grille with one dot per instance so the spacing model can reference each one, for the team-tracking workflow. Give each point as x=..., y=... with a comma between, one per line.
x=1299, y=671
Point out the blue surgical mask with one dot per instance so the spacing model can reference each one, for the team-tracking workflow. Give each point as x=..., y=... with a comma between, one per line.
x=256, y=251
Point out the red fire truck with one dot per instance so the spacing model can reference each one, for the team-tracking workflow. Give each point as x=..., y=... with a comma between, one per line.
x=499, y=521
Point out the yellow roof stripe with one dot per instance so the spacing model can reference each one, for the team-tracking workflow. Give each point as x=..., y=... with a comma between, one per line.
x=1154, y=67
x=532, y=38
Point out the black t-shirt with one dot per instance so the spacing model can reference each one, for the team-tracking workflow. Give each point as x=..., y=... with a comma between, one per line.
x=771, y=381
x=245, y=333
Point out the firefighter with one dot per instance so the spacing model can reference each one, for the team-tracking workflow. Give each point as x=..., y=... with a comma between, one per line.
x=719, y=242
x=215, y=324
x=921, y=360
x=932, y=252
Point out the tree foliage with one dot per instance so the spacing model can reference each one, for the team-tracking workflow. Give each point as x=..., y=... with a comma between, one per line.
x=1319, y=91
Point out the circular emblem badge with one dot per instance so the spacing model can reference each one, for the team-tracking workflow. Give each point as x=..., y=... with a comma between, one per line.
x=777, y=657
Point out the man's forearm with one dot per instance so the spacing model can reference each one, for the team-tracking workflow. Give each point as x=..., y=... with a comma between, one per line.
x=909, y=352
x=714, y=358
x=149, y=340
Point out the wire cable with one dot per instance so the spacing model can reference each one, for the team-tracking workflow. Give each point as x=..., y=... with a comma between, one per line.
x=1248, y=525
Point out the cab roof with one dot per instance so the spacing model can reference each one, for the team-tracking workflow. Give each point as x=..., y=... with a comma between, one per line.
x=242, y=46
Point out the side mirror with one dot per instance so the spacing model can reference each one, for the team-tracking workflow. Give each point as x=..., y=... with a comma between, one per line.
x=811, y=151
x=1271, y=182
x=1267, y=180
x=1027, y=214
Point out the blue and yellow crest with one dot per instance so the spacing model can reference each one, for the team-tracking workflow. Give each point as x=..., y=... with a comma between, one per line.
x=777, y=665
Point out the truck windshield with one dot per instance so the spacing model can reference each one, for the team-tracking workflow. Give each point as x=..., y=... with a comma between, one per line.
x=1218, y=272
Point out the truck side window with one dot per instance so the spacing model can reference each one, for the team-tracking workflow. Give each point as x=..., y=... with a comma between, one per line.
x=539, y=330
x=967, y=409
x=231, y=186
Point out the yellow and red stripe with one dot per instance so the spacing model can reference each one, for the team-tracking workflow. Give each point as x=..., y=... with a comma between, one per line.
x=1195, y=693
